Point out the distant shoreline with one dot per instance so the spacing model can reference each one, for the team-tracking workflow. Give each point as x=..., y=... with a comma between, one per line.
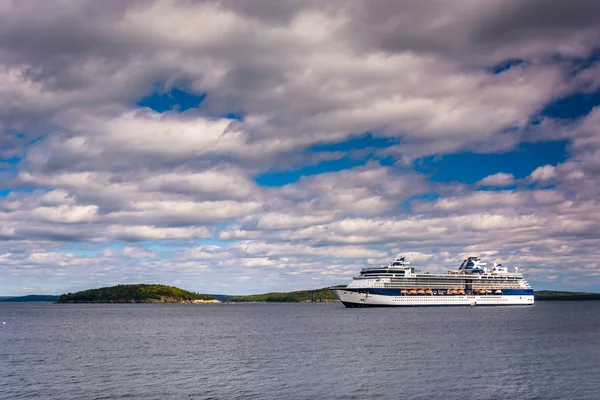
x=555, y=295
x=305, y=296
x=153, y=301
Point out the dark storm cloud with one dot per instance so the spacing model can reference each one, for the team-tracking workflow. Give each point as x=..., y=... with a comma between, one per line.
x=514, y=21
x=478, y=32
x=277, y=12
x=49, y=31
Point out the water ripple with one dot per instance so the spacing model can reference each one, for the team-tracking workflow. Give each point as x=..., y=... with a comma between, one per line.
x=298, y=351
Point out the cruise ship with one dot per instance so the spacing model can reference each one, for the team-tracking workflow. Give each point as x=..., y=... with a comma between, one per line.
x=473, y=284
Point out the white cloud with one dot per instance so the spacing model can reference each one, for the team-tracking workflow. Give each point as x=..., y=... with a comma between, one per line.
x=137, y=252
x=287, y=221
x=94, y=170
x=140, y=232
x=225, y=182
x=499, y=179
x=542, y=174
x=68, y=214
x=332, y=86
x=182, y=211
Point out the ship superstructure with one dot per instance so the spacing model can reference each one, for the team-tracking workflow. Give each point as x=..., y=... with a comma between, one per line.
x=398, y=284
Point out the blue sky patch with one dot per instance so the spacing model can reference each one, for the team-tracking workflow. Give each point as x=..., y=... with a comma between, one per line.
x=426, y=197
x=235, y=115
x=505, y=65
x=467, y=167
x=175, y=99
x=6, y=192
x=485, y=188
x=10, y=161
x=352, y=146
x=361, y=142
x=287, y=177
x=573, y=106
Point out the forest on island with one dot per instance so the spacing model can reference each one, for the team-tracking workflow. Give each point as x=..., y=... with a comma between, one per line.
x=132, y=293
x=301, y=296
x=30, y=298
x=560, y=295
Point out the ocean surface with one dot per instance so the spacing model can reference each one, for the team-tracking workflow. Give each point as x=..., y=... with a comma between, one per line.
x=299, y=351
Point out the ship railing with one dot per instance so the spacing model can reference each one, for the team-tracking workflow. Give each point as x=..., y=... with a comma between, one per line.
x=458, y=286
x=485, y=278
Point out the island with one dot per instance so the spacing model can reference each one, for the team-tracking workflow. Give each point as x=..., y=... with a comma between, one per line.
x=40, y=298
x=323, y=295
x=547, y=295
x=138, y=293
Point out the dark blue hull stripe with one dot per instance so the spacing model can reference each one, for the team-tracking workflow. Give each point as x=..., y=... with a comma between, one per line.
x=396, y=292
x=362, y=305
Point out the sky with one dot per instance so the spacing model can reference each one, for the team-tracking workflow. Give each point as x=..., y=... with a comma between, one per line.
x=239, y=147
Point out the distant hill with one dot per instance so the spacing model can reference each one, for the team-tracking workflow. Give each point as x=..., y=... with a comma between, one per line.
x=140, y=293
x=302, y=296
x=31, y=297
x=543, y=295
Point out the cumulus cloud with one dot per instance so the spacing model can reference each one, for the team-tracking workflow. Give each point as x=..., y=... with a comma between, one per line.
x=95, y=188
x=543, y=173
x=498, y=179
x=333, y=83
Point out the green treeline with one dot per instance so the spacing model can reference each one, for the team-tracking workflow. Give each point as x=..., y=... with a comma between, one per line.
x=558, y=295
x=30, y=298
x=318, y=295
x=132, y=294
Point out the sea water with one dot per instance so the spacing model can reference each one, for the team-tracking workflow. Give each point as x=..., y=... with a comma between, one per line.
x=299, y=351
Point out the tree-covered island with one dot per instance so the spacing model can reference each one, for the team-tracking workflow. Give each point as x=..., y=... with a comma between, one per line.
x=323, y=295
x=30, y=298
x=544, y=295
x=140, y=293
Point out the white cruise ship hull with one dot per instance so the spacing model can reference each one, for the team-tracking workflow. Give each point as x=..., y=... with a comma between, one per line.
x=354, y=298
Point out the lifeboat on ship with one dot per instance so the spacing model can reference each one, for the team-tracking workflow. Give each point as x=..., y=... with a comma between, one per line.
x=428, y=291
x=420, y=291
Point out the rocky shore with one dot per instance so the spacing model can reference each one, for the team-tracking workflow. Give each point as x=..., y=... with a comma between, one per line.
x=162, y=300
